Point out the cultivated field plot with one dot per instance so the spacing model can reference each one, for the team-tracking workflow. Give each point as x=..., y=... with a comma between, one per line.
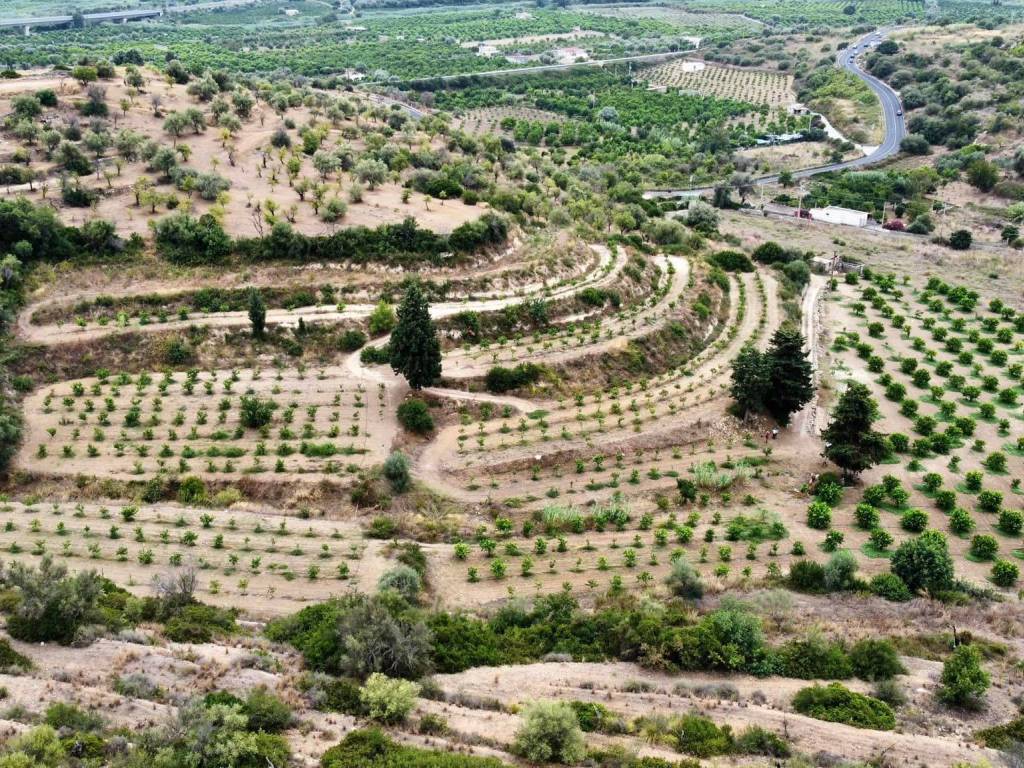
x=807, y=12
x=753, y=86
x=213, y=424
x=531, y=453
x=489, y=119
x=267, y=561
x=551, y=270
x=946, y=371
x=576, y=339
x=678, y=15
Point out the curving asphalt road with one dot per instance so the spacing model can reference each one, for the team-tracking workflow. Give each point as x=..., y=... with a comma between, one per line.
x=892, y=110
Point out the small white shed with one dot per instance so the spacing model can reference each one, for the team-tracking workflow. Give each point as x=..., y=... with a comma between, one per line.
x=834, y=214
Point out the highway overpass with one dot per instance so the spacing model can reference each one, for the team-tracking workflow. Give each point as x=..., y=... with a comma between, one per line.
x=29, y=23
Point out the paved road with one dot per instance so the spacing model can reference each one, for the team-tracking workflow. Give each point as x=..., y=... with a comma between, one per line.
x=892, y=110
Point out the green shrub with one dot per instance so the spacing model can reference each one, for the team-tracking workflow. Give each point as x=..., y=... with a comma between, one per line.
x=1002, y=737
x=191, y=490
x=807, y=576
x=432, y=725
x=10, y=659
x=924, y=563
x=225, y=698
x=1010, y=522
x=182, y=239
x=758, y=741
x=256, y=412
x=699, y=736
x=462, y=642
x=945, y=500
x=357, y=635
x=891, y=587
x=351, y=340
x=177, y=351
x=66, y=715
x=984, y=546
x=382, y=319
x=875, y=660
x=333, y=694
x=382, y=527
x=840, y=570
x=990, y=501
x=829, y=492
x=814, y=658
x=198, y=623
x=866, y=516
x=593, y=717
x=500, y=379
x=266, y=712
x=414, y=415
x=963, y=681
x=377, y=355
x=732, y=261
x=403, y=579
x=684, y=581
x=550, y=733
x=397, y=471
x=372, y=749
x=819, y=515
x=53, y=605
x=388, y=700
x=836, y=703
x=914, y=520
x=1005, y=573
x=960, y=521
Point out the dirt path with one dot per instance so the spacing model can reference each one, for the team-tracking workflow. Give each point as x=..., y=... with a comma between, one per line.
x=808, y=421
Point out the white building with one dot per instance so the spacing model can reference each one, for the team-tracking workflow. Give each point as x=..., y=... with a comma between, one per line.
x=487, y=50
x=290, y=11
x=833, y=214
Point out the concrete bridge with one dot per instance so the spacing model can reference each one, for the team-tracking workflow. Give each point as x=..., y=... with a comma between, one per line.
x=123, y=17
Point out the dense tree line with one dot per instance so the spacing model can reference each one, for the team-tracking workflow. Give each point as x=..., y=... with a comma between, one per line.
x=405, y=243
x=409, y=641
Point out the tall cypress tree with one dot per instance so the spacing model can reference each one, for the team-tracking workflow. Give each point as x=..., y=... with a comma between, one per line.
x=751, y=380
x=415, y=349
x=257, y=313
x=849, y=438
x=792, y=385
